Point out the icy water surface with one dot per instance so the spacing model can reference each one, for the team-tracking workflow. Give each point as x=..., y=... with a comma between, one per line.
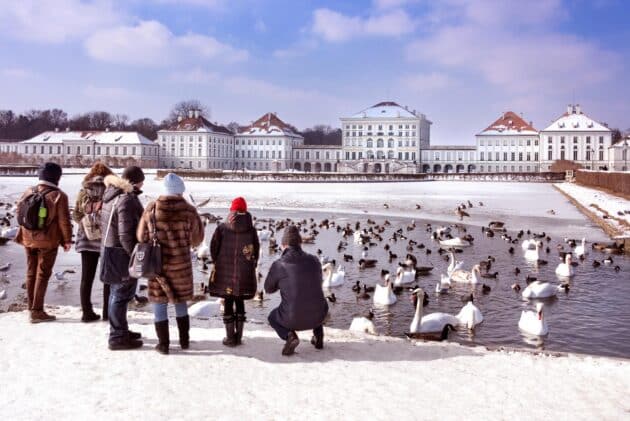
x=593, y=317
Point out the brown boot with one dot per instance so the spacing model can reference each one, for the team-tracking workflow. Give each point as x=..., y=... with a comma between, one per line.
x=40, y=316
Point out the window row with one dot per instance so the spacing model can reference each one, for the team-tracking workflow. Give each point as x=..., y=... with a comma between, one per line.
x=379, y=126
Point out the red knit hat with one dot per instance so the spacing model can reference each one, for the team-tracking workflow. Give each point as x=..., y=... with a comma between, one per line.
x=238, y=205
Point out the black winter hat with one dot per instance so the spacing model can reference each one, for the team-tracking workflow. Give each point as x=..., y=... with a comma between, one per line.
x=291, y=236
x=133, y=174
x=50, y=172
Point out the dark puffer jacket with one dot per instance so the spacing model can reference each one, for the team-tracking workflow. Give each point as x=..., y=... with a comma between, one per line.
x=235, y=250
x=298, y=277
x=128, y=212
x=178, y=229
x=87, y=202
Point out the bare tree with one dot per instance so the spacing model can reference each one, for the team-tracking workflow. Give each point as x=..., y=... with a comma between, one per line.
x=182, y=108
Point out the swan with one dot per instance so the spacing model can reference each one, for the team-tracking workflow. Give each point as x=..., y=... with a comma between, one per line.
x=455, y=242
x=529, y=244
x=532, y=254
x=565, y=269
x=443, y=286
x=203, y=250
x=383, y=295
x=470, y=315
x=432, y=336
x=404, y=276
x=442, y=230
x=538, y=289
x=358, y=237
x=9, y=233
x=363, y=324
x=264, y=234
x=433, y=322
x=3, y=294
x=465, y=277
x=453, y=265
x=534, y=323
x=332, y=278
x=205, y=309
x=581, y=249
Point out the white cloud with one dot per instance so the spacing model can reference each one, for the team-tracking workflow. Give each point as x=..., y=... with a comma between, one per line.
x=422, y=82
x=17, y=73
x=336, y=27
x=56, y=21
x=391, y=4
x=152, y=43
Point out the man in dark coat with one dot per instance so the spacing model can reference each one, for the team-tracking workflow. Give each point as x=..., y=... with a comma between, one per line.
x=298, y=277
x=120, y=217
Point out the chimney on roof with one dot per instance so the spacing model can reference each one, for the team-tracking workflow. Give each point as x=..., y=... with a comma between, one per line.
x=570, y=109
x=190, y=114
x=179, y=118
x=531, y=123
x=196, y=113
x=577, y=109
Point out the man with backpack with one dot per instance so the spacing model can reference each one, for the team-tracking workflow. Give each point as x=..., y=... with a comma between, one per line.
x=44, y=220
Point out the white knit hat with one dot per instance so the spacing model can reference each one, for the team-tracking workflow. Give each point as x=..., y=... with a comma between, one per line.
x=173, y=184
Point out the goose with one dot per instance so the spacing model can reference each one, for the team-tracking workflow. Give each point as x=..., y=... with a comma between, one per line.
x=383, y=295
x=432, y=336
x=433, y=322
x=534, y=323
x=205, y=309
x=532, y=254
x=580, y=251
x=565, y=269
x=404, y=276
x=470, y=316
x=332, y=278
x=538, y=289
x=363, y=324
x=465, y=277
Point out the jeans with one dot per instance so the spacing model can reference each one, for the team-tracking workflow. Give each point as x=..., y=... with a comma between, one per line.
x=89, y=262
x=39, y=266
x=160, y=311
x=119, y=297
x=282, y=331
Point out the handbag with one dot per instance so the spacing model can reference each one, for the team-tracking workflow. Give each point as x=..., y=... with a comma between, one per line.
x=146, y=258
x=115, y=260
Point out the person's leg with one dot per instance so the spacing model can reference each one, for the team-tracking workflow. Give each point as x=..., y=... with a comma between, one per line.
x=45, y=262
x=121, y=294
x=240, y=319
x=89, y=262
x=229, y=320
x=31, y=274
x=106, y=295
x=183, y=324
x=318, y=337
x=282, y=331
x=160, y=312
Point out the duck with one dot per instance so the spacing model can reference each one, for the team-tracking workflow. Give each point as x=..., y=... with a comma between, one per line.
x=465, y=277
x=608, y=261
x=565, y=269
x=433, y=322
x=205, y=309
x=364, y=324
x=596, y=264
x=383, y=295
x=332, y=277
x=516, y=287
x=485, y=289
x=432, y=336
x=356, y=287
x=534, y=323
x=539, y=289
x=580, y=251
x=332, y=298
x=404, y=276
x=470, y=316
x=367, y=263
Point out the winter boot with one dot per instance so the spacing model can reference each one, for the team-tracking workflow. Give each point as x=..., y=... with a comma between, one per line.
x=161, y=329
x=291, y=343
x=240, y=321
x=183, y=325
x=318, y=340
x=40, y=316
x=230, y=339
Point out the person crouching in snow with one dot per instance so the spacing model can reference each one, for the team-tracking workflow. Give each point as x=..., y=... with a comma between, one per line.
x=178, y=228
x=235, y=251
x=298, y=277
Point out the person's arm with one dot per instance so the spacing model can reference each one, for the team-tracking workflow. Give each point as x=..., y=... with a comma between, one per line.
x=127, y=223
x=273, y=278
x=63, y=219
x=215, y=244
x=197, y=233
x=142, y=233
x=256, y=242
x=78, y=211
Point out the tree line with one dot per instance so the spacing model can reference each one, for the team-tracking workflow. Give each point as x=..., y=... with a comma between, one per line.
x=21, y=126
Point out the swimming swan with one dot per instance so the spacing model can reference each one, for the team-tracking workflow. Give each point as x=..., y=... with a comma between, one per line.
x=465, y=277
x=404, y=276
x=565, y=269
x=538, y=289
x=383, y=295
x=332, y=278
x=433, y=322
x=534, y=323
x=470, y=316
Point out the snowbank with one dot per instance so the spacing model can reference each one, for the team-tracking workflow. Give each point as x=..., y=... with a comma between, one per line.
x=63, y=370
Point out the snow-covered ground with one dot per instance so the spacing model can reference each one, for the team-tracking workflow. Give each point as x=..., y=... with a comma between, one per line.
x=614, y=207
x=63, y=370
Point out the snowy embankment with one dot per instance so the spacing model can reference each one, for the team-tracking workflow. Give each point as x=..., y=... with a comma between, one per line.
x=611, y=210
x=63, y=370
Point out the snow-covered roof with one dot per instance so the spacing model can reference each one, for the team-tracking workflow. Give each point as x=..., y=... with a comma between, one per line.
x=317, y=147
x=574, y=120
x=196, y=123
x=105, y=137
x=509, y=123
x=387, y=109
x=452, y=147
x=269, y=125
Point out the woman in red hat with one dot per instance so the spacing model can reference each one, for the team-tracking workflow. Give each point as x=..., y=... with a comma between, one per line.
x=235, y=250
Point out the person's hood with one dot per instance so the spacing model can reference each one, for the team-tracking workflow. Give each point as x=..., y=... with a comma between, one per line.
x=115, y=186
x=239, y=222
x=95, y=186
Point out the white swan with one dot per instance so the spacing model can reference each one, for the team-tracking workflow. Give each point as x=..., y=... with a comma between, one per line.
x=9, y=233
x=443, y=285
x=264, y=234
x=205, y=309
x=529, y=244
x=203, y=250
x=363, y=325
x=532, y=254
x=383, y=295
x=470, y=315
x=433, y=322
x=534, y=323
x=565, y=269
x=465, y=277
x=442, y=230
x=453, y=265
x=455, y=242
x=3, y=294
x=332, y=278
x=538, y=289
x=581, y=249
x=404, y=276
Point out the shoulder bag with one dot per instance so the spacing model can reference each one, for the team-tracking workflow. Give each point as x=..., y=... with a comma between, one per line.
x=146, y=258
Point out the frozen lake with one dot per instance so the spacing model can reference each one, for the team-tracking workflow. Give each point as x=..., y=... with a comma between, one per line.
x=592, y=318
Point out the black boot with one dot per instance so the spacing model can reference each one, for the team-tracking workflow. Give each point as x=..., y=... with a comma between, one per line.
x=240, y=321
x=318, y=340
x=291, y=343
x=161, y=329
x=183, y=325
x=230, y=335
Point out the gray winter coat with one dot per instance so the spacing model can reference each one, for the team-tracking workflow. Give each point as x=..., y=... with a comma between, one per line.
x=127, y=214
x=94, y=189
x=298, y=277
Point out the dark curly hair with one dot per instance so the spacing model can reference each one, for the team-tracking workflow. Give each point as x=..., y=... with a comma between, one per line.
x=98, y=169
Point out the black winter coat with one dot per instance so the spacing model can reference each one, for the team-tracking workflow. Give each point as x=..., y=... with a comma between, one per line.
x=298, y=277
x=235, y=250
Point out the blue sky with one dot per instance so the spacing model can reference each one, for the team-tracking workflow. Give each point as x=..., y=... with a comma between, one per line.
x=460, y=62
